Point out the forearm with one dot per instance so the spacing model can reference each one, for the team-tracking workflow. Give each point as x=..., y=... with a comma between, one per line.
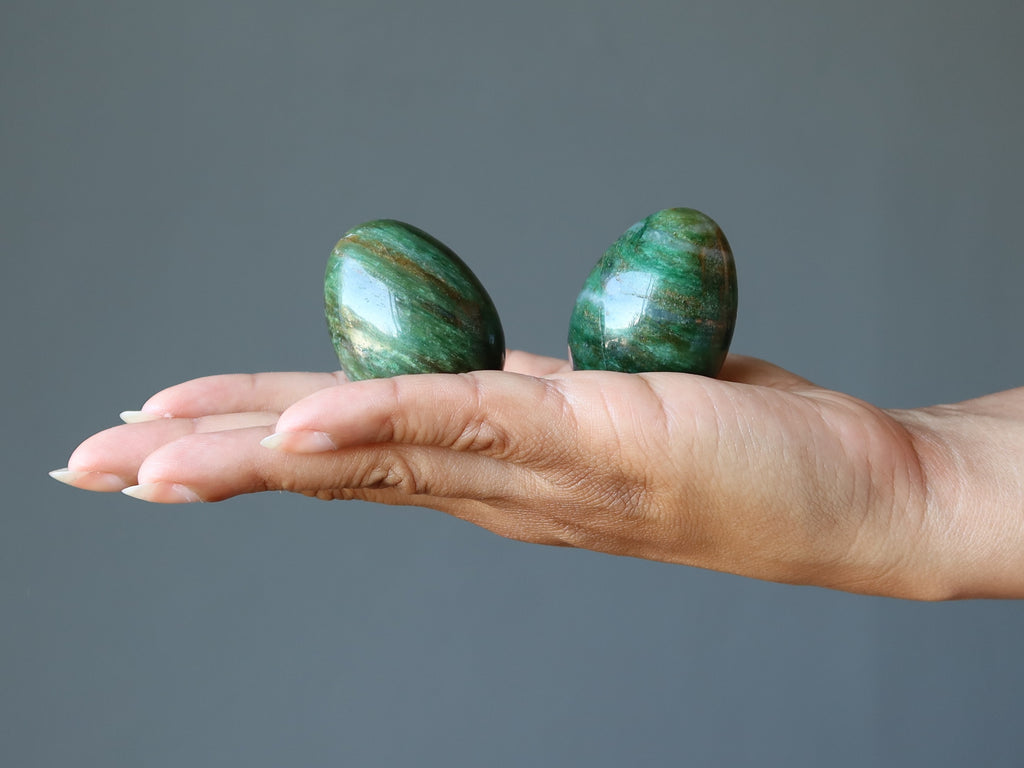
x=972, y=454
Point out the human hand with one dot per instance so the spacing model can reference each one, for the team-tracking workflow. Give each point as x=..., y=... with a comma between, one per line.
x=759, y=472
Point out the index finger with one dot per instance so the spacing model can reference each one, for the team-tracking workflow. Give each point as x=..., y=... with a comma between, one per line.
x=490, y=412
x=234, y=393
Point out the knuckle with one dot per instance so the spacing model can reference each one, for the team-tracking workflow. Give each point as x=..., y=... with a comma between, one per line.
x=394, y=472
x=473, y=427
x=395, y=426
x=481, y=435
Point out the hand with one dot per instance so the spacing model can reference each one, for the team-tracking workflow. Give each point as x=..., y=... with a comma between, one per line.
x=759, y=473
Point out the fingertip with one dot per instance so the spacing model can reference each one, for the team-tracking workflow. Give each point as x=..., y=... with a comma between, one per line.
x=303, y=441
x=162, y=493
x=104, y=482
x=139, y=417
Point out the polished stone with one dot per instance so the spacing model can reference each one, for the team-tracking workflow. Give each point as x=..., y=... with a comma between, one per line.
x=662, y=298
x=399, y=301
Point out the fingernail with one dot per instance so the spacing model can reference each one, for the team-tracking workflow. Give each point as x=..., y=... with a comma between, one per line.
x=162, y=493
x=88, y=481
x=137, y=417
x=305, y=441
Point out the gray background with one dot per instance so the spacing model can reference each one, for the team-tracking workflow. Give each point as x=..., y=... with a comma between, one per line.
x=173, y=177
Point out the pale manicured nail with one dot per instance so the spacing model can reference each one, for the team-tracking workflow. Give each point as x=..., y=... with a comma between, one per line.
x=137, y=417
x=88, y=481
x=306, y=441
x=162, y=493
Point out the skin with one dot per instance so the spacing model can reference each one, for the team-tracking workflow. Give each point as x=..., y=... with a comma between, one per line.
x=758, y=472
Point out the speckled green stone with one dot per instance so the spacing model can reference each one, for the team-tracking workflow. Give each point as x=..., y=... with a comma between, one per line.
x=399, y=301
x=662, y=298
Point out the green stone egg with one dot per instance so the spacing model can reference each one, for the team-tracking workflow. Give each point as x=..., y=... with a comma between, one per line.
x=662, y=298
x=399, y=301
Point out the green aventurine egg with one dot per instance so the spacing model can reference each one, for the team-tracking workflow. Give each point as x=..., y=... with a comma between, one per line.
x=399, y=301
x=662, y=298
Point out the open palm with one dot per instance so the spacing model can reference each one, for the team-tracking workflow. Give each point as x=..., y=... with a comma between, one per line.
x=759, y=472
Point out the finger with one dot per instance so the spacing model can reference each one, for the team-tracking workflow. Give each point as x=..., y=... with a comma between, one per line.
x=517, y=361
x=235, y=392
x=500, y=496
x=216, y=466
x=488, y=493
x=229, y=393
x=751, y=370
x=489, y=412
x=109, y=460
x=492, y=494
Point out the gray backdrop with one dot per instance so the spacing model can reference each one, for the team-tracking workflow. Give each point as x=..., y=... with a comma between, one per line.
x=173, y=178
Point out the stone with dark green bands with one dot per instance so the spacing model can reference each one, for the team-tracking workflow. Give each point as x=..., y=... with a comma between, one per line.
x=399, y=301
x=662, y=298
